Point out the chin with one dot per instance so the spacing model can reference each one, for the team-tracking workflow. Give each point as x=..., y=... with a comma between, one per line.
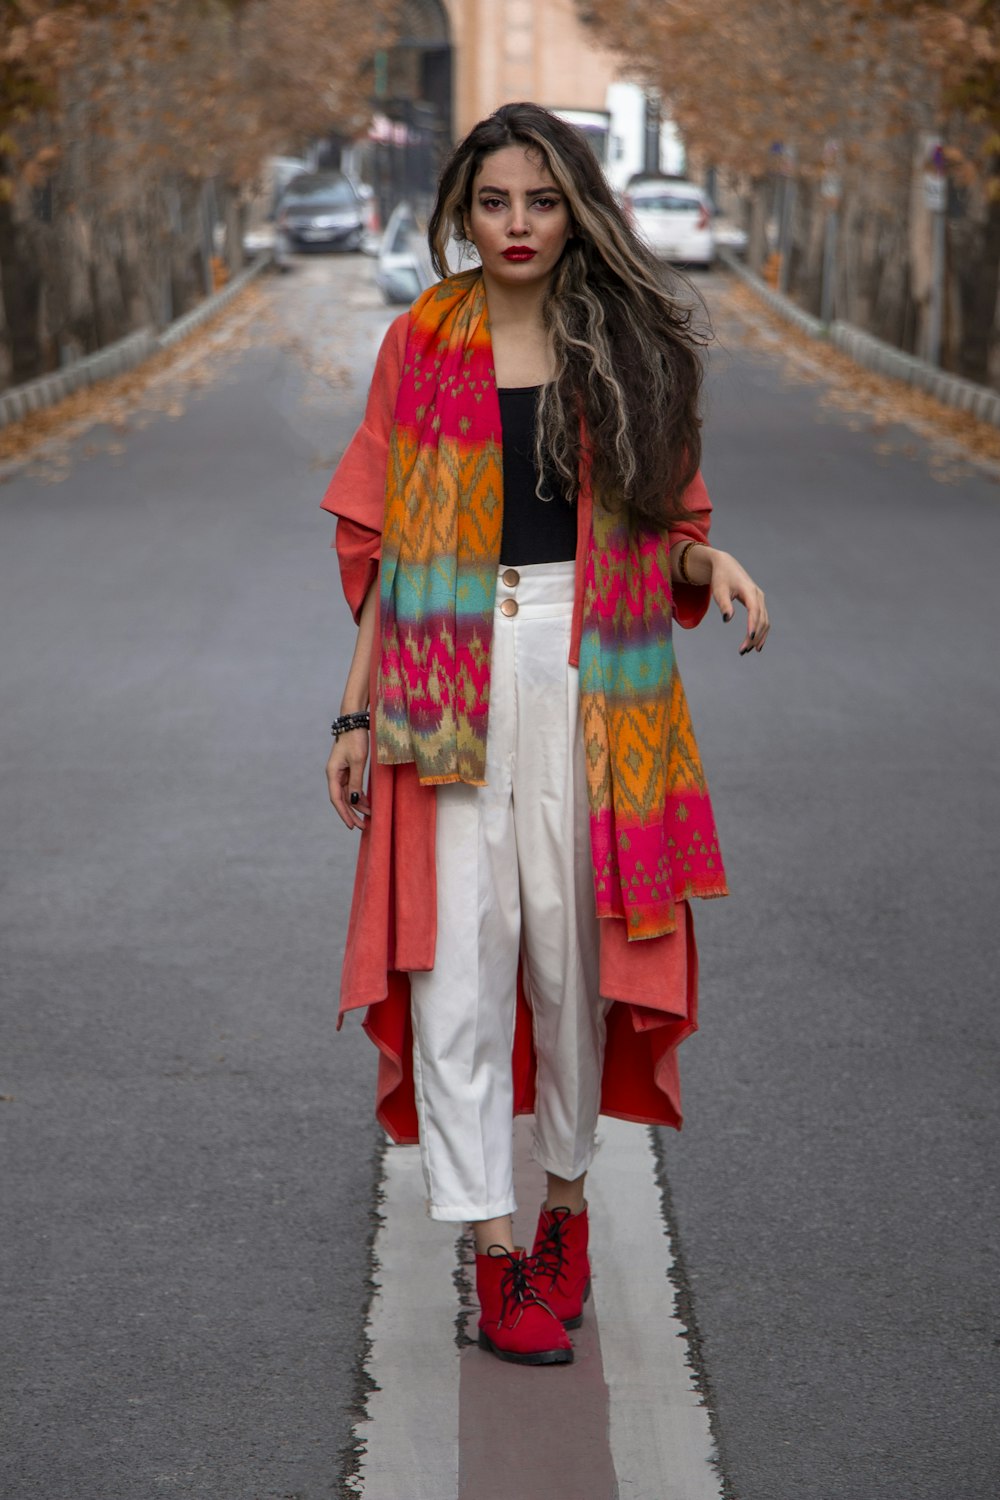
x=521, y=270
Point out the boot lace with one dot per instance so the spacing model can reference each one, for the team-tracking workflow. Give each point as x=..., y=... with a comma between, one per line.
x=551, y=1257
x=516, y=1289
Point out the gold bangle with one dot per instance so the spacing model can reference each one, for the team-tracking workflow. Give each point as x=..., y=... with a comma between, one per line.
x=682, y=563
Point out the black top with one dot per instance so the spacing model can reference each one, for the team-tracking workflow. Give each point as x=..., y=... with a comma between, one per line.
x=534, y=530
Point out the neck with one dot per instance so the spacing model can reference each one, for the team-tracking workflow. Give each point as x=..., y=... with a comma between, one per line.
x=514, y=306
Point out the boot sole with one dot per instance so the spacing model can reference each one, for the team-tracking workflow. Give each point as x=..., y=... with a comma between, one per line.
x=570, y=1323
x=542, y=1357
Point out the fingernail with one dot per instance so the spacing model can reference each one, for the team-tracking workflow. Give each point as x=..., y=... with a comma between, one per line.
x=727, y=618
x=753, y=634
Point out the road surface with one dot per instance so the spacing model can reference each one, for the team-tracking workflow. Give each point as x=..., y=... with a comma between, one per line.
x=193, y=1181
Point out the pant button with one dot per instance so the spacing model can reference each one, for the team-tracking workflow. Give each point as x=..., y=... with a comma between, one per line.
x=511, y=577
x=509, y=608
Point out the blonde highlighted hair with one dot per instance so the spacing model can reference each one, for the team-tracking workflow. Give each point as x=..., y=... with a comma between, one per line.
x=628, y=357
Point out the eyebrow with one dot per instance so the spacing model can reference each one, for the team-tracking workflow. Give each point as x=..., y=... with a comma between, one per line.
x=532, y=192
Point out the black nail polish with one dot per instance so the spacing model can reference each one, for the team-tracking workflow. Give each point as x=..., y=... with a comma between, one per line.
x=753, y=635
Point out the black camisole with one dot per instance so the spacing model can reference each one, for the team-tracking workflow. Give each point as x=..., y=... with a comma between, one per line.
x=534, y=530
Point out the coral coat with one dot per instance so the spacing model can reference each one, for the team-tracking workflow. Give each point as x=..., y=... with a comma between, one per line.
x=393, y=922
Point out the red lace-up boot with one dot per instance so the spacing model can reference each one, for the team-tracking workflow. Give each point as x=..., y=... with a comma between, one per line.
x=561, y=1264
x=514, y=1322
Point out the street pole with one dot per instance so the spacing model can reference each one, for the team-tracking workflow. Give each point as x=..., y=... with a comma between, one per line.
x=651, y=146
x=785, y=222
x=829, y=266
x=207, y=234
x=936, y=318
x=830, y=188
x=936, y=201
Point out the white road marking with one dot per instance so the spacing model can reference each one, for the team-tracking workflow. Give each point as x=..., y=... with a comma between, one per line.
x=411, y=1430
x=660, y=1438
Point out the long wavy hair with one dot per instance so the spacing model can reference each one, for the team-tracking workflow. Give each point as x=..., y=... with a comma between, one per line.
x=627, y=354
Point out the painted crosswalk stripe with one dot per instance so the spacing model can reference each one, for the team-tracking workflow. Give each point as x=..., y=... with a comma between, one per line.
x=623, y=1422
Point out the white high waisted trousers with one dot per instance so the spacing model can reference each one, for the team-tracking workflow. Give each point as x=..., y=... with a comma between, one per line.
x=514, y=879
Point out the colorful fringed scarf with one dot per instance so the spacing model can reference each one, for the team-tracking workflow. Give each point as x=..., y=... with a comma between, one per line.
x=652, y=831
x=441, y=540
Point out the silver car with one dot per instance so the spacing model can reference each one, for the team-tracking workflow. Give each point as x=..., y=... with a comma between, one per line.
x=403, y=269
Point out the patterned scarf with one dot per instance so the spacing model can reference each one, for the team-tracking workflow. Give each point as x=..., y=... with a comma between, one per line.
x=653, y=835
x=652, y=830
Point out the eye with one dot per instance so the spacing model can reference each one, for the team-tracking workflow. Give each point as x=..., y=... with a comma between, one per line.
x=546, y=202
x=491, y=203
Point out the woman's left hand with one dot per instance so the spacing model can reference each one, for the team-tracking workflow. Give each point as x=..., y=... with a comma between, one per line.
x=729, y=581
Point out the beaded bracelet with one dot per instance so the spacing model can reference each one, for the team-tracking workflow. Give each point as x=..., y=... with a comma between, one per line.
x=346, y=722
x=682, y=561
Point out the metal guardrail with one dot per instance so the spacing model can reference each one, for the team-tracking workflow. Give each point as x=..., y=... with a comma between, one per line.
x=875, y=354
x=124, y=354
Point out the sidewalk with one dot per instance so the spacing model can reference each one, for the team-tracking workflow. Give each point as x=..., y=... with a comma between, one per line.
x=874, y=354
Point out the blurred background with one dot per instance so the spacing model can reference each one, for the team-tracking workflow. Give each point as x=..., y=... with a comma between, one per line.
x=850, y=149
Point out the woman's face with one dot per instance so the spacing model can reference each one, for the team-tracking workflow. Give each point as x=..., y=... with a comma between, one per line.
x=518, y=219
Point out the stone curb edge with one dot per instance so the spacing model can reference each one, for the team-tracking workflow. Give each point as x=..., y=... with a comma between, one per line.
x=122, y=355
x=874, y=354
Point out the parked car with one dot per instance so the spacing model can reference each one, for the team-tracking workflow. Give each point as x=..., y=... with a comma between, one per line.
x=403, y=269
x=729, y=236
x=261, y=232
x=322, y=210
x=674, y=217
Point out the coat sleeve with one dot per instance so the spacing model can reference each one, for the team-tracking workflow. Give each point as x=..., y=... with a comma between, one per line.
x=691, y=601
x=356, y=493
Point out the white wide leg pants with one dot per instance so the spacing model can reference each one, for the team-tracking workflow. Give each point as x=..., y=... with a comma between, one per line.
x=514, y=878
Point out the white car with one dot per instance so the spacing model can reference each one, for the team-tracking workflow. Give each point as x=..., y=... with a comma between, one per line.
x=403, y=269
x=674, y=218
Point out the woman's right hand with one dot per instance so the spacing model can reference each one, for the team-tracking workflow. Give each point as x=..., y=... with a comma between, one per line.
x=345, y=773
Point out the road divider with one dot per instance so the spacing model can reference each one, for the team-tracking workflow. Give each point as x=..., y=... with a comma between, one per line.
x=125, y=354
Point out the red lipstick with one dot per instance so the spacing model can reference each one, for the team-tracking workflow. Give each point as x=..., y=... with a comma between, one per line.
x=519, y=252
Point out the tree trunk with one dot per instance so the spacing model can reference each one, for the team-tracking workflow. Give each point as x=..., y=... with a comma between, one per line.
x=233, y=217
x=757, y=246
x=21, y=288
x=976, y=268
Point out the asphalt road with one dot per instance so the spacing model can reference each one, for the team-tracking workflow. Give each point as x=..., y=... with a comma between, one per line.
x=190, y=1163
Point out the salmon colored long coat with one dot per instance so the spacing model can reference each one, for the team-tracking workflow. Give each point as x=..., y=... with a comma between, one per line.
x=393, y=922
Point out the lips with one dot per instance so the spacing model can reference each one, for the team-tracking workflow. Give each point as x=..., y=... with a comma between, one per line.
x=519, y=252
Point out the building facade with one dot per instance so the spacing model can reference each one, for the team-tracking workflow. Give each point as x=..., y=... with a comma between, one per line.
x=452, y=62
x=523, y=49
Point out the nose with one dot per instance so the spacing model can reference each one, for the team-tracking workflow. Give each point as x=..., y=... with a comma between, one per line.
x=518, y=224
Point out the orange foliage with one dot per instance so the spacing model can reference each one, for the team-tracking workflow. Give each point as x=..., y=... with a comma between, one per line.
x=206, y=87
x=741, y=75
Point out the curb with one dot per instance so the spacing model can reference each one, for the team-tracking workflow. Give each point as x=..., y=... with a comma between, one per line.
x=778, y=303
x=874, y=354
x=124, y=354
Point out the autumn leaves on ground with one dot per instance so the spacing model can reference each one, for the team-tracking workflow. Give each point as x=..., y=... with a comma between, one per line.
x=127, y=127
x=114, y=408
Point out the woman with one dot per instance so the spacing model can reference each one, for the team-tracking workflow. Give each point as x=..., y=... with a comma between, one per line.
x=521, y=515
